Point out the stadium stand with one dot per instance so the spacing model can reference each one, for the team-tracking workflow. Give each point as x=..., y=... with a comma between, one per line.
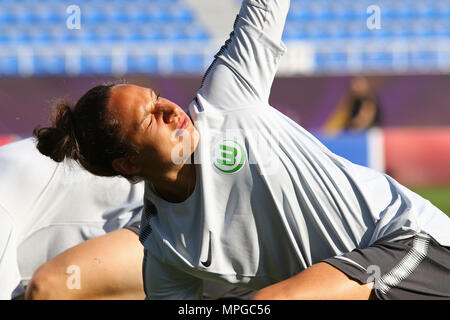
x=114, y=37
x=167, y=36
x=413, y=34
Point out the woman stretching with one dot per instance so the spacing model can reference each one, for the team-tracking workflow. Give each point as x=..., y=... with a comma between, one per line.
x=237, y=193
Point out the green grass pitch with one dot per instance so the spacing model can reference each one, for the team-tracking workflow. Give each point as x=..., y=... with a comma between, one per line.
x=439, y=196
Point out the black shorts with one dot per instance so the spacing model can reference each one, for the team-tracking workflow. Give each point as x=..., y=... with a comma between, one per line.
x=414, y=268
x=134, y=226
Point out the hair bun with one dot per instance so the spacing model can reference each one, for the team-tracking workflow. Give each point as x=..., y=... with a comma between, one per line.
x=58, y=141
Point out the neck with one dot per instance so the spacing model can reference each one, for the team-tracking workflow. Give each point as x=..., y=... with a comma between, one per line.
x=178, y=185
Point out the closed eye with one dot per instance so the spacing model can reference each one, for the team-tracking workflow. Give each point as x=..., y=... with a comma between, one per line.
x=148, y=112
x=151, y=115
x=150, y=122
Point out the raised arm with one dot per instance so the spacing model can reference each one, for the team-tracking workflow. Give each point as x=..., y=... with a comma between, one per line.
x=244, y=68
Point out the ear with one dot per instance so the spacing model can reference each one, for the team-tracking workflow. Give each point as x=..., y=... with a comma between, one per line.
x=126, y=166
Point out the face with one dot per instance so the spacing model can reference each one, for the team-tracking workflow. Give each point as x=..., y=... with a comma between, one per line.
x=162, y=132
x=360, y=86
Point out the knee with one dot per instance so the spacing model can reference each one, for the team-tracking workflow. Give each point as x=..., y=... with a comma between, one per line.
x=45, y=285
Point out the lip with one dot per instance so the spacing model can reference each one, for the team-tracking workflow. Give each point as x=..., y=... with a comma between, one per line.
x=183, y=123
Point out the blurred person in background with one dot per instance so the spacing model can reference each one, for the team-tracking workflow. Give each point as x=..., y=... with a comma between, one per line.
x=359, y=110
x=47, y=208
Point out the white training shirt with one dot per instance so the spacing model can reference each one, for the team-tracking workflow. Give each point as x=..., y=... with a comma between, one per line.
x=48, y=207
x=270, y=200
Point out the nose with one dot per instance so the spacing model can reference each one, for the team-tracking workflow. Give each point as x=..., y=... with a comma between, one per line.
x=167, y=109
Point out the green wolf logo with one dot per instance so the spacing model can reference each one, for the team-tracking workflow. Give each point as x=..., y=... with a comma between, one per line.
x=231, y=157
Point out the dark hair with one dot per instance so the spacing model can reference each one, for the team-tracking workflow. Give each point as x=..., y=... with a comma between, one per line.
x=86, y=133
x=357, y=104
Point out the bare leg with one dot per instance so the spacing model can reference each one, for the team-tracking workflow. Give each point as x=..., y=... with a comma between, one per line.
x=107, y=267
x=319, y=282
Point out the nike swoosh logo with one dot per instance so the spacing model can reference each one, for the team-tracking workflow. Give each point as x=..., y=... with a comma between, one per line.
x=207, y=263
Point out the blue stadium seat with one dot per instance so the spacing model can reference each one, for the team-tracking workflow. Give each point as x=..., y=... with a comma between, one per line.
x=93, y=14
x=9, y=65
x=137, y=64
x=331, y=61
x=38, y=36
x=114, y=15
x=375, y=60
x=146, y=33
x=79, y=36
x=188, y=63
x=14, y=35
x=6, y=17
x=421, y=9
x=156, y=13
x=133, y=14
x=322, y=23
x=56, y=14
x=422, y=58
x=96, y=64
x=337, y=29
x=441, y=27
x=194, y=32
x=49, y=64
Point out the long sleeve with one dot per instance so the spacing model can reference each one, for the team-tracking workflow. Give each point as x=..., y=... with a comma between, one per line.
x=243, y=70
